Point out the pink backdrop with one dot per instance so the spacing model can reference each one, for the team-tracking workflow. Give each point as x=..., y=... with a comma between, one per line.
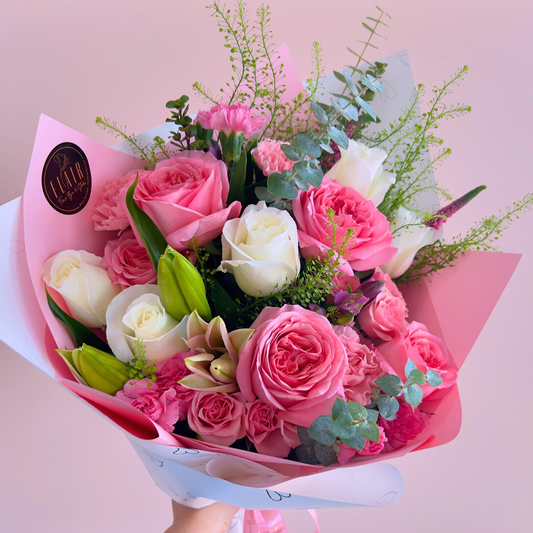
x=63, y=468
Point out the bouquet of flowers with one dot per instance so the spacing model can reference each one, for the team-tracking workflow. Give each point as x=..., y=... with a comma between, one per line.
x=248, y=299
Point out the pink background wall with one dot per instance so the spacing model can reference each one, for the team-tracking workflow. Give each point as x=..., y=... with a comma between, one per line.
x=63, y=468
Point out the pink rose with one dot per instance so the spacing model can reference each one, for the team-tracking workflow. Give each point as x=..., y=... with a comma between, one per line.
x=228, y=118
x=217, y=417
x=371, y=242
x=383, y=316
x=270, y=158
x=363, y=366
x=263, y=428
x=108, y=213
x=161, y=406
x=342, y=281
x=186, y=197
x=345, y=453
x=379, y=275
x=425, y=350
x=407, y=425
x=294, y=362
x=127, y=262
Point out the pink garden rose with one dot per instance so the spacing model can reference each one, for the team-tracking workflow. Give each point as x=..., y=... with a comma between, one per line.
x=162, y=406
x=108, y=213
x=371, y=242
x=127, y=262
x=383, y=316
x=270, y=158
x=294, y=362
x=217, y=417
x=186, y=197
x=228, y=118
x=379, y=275
x=425, y=350
x=345, y=453
x=363, y=366
x=263, y=428
x=407, y=425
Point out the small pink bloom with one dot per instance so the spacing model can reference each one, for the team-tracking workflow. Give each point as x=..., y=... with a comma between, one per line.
x=186, y=198
x=345, y=453
x=371, y=242
x=342, y=281
x=217, y=417
x=383, y=316
x=108, y=213
x=379, y=275
x=373, y=448
x=408, y=424
x=270, y=158
x=425, y=350
x=363, y=366
x=294, y=362
x=127, y=262
x=228, y=118
x=161, y=406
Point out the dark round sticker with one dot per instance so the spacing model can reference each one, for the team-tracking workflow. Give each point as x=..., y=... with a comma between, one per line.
x=67, y=179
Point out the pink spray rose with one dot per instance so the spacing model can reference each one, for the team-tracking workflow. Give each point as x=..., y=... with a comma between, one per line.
x=263, y=428
x=294, y=362
x=217, y=417
x=371, y=242
x=407, y=425
x=228, y=118
x=186, y=197
x=270, y=158
x=345, y=453
x=379, y=275
x=383, y=316
x=127, y=262
x=425, y=350
x=363, y=366
x=162, y=406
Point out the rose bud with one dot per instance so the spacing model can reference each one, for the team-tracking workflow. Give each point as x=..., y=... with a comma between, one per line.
x=99, y=370
x=181, y=287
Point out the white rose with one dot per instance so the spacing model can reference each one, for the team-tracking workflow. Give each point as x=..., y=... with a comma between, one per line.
x=409, y=239
x=137, y=313
x=83, y=282
x=261, y=249
x=361, y=168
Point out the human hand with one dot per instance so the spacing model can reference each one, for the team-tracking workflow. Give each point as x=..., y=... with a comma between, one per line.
x=215, y=518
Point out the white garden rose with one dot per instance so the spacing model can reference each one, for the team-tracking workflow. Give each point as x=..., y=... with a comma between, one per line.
x=361, y=168
x=137, y=313
x=83, y=282
x=412, y=236
x=261, y=249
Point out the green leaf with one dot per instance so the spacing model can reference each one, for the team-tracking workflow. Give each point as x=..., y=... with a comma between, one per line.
x=327, y=148
x=349, y=82
x=369, y=430
x=367, y=83
x=388, y=406
x=409, y=367
x=325, y=454
x=364, y=105
x=290, y=153
x=304, y=437
x=153, y=240
x=236, y=182
x=80, y=334
x=433, y=378
x=340, y=407
x=305, y=144
x=390, y=384
x=339, y=76
x=350, y=110
x=320, y=430
x=319, y=113
x=343, y=426
x=301, y=183
x=338, y=136
x=278, y=185
x=357, y=441
x=413, y=395
x=417, y=376
x=372, y=414
x=357, y=410
x=263, y=194
x=224, y=304
x=313, y=176
x=340, y=109
x=306, y=455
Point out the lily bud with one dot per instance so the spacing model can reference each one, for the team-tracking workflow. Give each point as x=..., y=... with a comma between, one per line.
x=181, y=287
x=99, y=370
x=224, y=369
x=231, y=145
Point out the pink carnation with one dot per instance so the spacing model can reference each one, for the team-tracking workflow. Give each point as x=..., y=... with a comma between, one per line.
x=127, y=262
x=270, y=158
x=407, y=425
x=162, y=406
x=370, y=244
x=228, y=118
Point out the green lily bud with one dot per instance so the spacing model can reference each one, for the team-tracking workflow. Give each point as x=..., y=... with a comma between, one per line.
x=181, y=287
x=231, y=145
x=224, y=369
x=99, y=370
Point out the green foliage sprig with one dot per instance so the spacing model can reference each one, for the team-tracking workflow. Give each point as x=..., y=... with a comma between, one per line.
x=140, y=367
x=187, y=130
